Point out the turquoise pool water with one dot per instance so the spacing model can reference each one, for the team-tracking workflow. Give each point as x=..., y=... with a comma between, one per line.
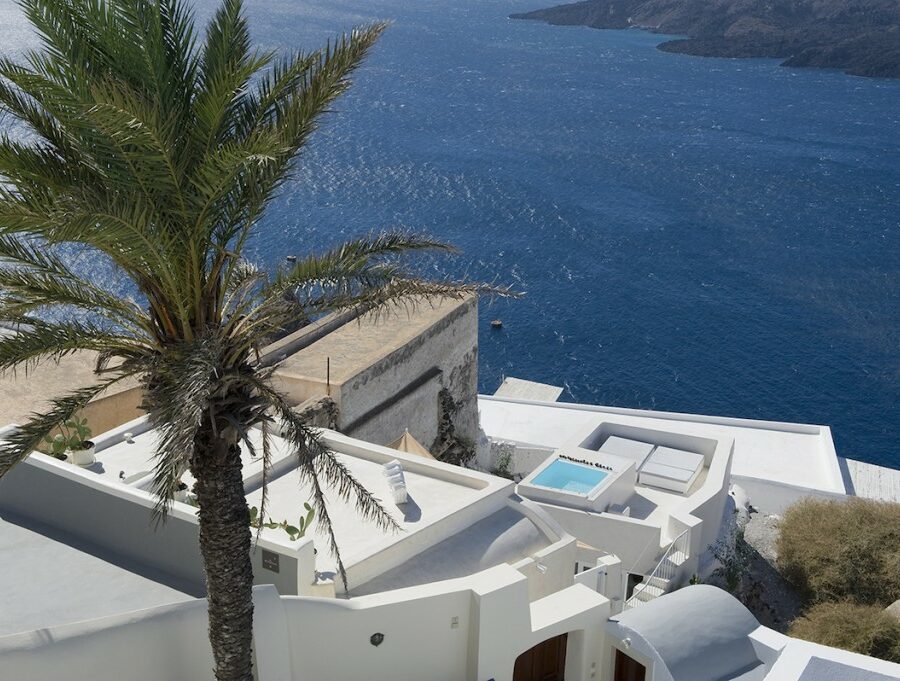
x=569, y=477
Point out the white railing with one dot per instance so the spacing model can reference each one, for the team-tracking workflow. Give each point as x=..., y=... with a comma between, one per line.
x=657, y=582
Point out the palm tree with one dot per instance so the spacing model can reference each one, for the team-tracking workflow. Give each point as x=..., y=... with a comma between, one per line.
x=137, y=141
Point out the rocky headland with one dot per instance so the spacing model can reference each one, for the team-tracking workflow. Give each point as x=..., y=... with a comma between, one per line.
x=861, y=37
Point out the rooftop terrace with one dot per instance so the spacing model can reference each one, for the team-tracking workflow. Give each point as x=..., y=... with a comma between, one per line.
x=795, y=456
x=433, y=497
x=443, y=501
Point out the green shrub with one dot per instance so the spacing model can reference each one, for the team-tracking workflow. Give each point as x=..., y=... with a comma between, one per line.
x=865, y=629
x=842, y=550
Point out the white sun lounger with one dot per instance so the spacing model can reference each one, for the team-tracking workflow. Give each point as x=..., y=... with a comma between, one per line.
x=630, y=449
x=677, y=458
x=667, y=477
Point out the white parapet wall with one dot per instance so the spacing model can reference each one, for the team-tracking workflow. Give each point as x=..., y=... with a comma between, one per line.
x=118, y=519
x=166, y=642
x=463, y=629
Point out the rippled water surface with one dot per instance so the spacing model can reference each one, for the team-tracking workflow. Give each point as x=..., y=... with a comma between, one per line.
x=693, y=234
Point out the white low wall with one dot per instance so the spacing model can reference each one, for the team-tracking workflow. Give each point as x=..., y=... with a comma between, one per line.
x=550, y=569
x=701, y=515
x=118, y=519
x=464, y=629
x=330, y=639
x=770, y=497
x=168, y=642
x=636, y=542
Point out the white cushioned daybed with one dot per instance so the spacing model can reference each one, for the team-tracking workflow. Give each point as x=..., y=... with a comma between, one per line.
x=630, y=449
x=671, y=469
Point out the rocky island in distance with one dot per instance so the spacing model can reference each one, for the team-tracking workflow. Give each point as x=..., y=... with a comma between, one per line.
x=861, y=37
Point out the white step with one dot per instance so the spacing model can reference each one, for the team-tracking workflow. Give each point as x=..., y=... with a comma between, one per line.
x=677, y=558
x=646, y=592
x=658, y=582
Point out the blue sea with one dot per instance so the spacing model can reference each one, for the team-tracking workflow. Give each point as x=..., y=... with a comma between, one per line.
x=692, y=234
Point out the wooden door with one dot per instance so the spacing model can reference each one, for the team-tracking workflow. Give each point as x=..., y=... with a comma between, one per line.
x=545, y=662
x=628, y=669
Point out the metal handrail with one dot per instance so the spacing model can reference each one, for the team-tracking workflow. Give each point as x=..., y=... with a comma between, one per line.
x=652, y=542
x=662, y=571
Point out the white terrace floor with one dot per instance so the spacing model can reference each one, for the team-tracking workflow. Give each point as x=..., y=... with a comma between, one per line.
x=127, y=455
x=431, y=499
x=791, y=454
x=48, y=579
x=656, y=505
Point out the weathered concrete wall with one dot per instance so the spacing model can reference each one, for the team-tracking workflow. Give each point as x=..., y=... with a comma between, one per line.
x=462, y=383
x=416, y=411
x=320, y=412
x=450, y=348
x=24, y=392
x=111, y=411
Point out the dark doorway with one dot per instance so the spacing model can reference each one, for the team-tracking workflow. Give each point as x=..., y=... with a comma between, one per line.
x=633, y=581
x=545, y=662
x=628, y=669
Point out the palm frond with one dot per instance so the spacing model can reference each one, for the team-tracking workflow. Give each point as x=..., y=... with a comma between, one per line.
x=36, y=119
x=352, y=263
x=226, y=66
x=266, y=472
x=324, y=82
x=35, y=168
x=315, y=460
x=27, y=437
x=142, y=140
x=39, y=340
x=34, y=278
x=275, y=87
x=297, y=114
x=169, y=57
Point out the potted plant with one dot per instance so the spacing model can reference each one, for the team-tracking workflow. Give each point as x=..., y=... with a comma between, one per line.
x=72, y=442
x=182, y=493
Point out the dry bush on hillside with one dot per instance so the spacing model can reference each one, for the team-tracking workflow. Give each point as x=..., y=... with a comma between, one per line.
x=842, y=550
x=865, y=629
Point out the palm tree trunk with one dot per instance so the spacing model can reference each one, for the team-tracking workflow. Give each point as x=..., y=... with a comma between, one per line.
x=225, y=546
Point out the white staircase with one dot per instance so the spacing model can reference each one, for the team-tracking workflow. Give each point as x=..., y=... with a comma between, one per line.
x=657, y=582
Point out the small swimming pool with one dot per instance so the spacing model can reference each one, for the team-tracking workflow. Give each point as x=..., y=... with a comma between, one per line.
x=569, y=477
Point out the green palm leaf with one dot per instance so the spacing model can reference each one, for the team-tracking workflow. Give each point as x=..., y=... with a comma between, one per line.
x=135, y=138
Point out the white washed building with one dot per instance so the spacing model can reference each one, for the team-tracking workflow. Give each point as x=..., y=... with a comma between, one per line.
x=482, y=584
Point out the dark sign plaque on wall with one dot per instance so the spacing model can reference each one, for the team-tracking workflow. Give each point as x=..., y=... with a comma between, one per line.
x=270, y=560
